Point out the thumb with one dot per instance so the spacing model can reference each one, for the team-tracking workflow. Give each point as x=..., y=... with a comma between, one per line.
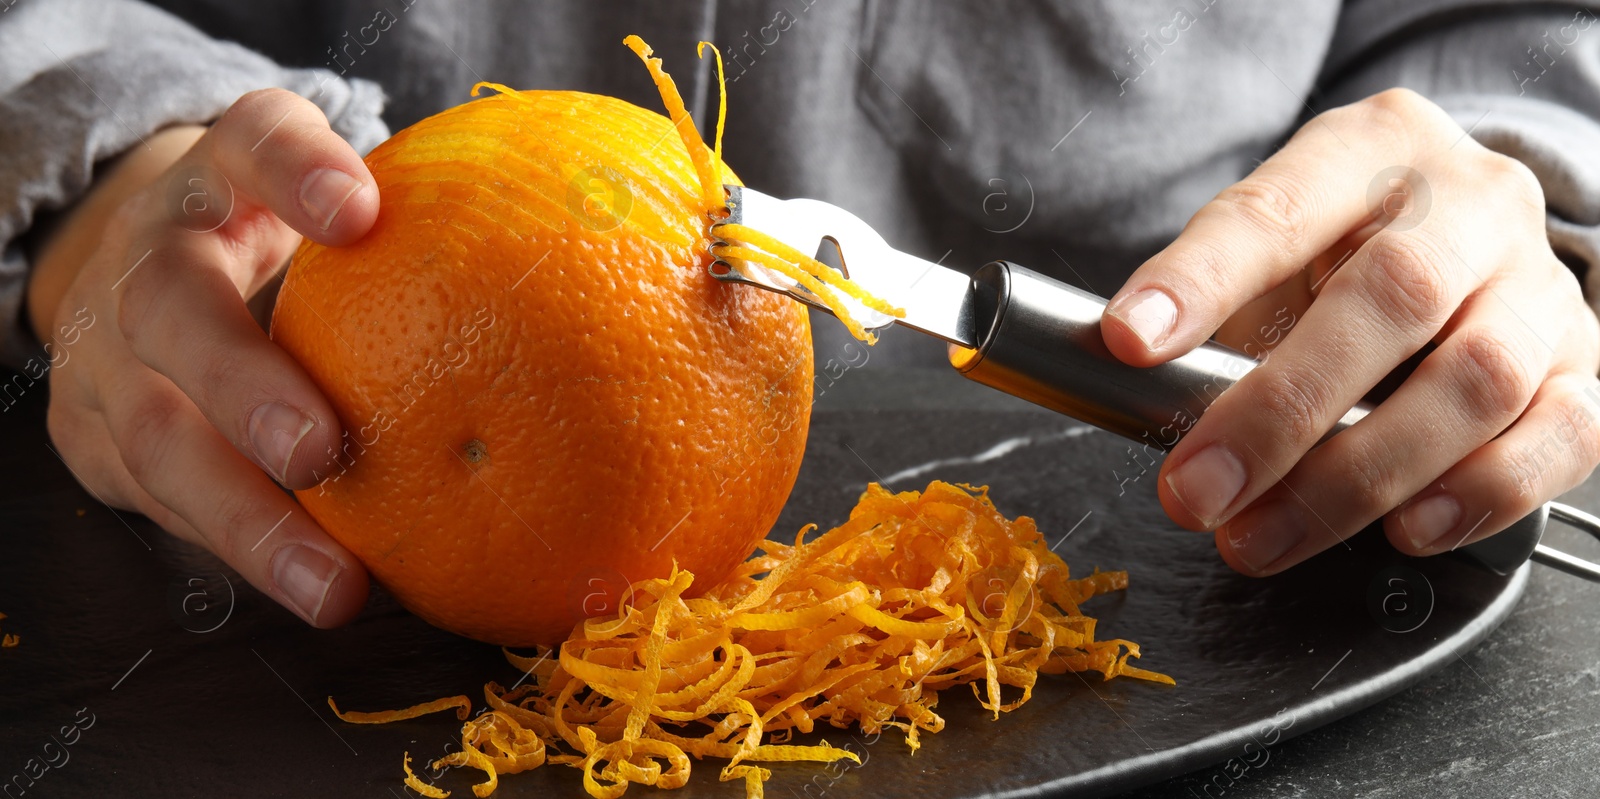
x=277, y=149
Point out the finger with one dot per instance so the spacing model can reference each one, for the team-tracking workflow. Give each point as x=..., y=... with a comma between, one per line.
x=1258, y=328
x=170, y=451
x=183, y=317
x=1335, y=257
x=275, y=148
x=1552, y=448
x=83, y=444
x=1478, y=381
x=1395, y=294
x=1264, y=229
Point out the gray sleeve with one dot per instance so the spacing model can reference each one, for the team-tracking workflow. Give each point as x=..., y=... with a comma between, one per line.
x=84, y=80
x=1523, y=80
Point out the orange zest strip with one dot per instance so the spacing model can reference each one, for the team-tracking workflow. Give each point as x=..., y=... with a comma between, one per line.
x=811, y=283
x=803, y=269
x=722, y=95
x=864, y=625
x=500, y=88
x=415, y=783
x=710, y=183
x=541, y=666
x=753, y=776
x=495, y=744
x=825, y=273
x=462, y=705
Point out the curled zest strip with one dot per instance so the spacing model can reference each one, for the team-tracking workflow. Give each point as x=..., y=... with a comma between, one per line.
x=709, y=173
x=722, y=97
x=708, y=166
x=415, y=783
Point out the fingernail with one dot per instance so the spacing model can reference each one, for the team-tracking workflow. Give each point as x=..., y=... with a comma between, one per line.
x=1208, y=483
x=1261, y=536
x=305, y=576
x=276, y=430
x=325, y=192
x=1150, y=314
x=1430, y=519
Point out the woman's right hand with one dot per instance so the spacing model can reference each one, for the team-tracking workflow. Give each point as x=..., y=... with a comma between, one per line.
x=166, y=397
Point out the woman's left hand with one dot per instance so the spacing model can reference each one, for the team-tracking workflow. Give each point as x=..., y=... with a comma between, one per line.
x=1379, y=227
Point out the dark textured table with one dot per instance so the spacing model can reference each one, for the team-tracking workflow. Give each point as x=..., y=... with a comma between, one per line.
x=1517, y=716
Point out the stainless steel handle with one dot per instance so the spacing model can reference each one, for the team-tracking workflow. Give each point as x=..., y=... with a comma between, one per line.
x=1040, y=340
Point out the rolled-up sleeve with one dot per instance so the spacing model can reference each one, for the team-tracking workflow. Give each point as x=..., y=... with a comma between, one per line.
x=1522, y=79
x=84, y=80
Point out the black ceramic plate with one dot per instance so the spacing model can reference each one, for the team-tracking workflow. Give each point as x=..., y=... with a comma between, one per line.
x=182, y=681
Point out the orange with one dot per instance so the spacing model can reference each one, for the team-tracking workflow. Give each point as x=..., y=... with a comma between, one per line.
x=546, y=395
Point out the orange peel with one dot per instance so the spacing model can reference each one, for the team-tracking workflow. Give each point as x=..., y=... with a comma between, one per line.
x=462, y=705
x=861, y=626
x=415, y=783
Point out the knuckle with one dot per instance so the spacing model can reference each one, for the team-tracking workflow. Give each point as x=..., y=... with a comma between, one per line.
x=148, y=434
x=1576, y=429
x=1566, y=285
x=1399, y=100
x=213, y=369
x=257, y=111
x=1270, y=207
x=1514, y=181
x=1408, y=281
x=1398, y=107
x=1400, y=115
x=1293, y=404
x=1199, y=272
x=235, y=514
x=1495, y=375
x=216, y=361
x=1369, y=477
x=139, y=302
x=207, y=392
x=1521, y=474
x=259, y=102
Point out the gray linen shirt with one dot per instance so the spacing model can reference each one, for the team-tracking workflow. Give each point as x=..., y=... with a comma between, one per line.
x=1075, y=136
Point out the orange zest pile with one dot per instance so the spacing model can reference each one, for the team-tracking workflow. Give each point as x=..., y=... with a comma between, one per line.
x=863, y=625
x=738, y=243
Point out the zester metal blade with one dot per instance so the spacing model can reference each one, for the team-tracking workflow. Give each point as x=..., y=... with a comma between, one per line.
x=937, y=300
